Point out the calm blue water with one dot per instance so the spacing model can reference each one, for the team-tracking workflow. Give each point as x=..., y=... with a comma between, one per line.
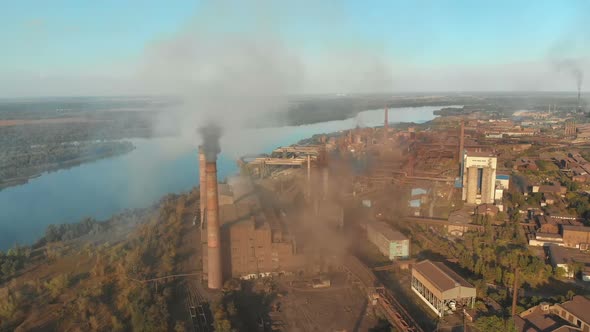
x=155, y=168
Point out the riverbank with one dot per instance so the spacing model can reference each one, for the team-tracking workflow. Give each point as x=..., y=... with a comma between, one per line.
x=156, y=167
x=94, y=151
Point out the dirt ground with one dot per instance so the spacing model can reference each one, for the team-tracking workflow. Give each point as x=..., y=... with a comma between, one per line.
x=340, y=307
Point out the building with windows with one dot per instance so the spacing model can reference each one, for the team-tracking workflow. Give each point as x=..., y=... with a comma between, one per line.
x=391, y=243
x=479, y=177
x=441, y=288
x=570, y=316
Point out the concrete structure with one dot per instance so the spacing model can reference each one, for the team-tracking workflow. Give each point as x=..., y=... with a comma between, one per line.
x=570, y=128
x=479, y=177
x=259, y=248
x=502, y=183
x=576, y=236
x=253, y=242
x=214, y=265
x=391, y=243
x=439, y=286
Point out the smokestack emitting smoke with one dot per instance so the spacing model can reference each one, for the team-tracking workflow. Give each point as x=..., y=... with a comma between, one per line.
x=211, y=135
x=574, y=69
x=215, y=279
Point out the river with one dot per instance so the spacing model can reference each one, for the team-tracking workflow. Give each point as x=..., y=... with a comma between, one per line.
x=155, y=168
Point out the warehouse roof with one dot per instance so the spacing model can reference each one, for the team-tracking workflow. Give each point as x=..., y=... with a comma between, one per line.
x=576, y=228
x=387, y=231
x=441, y=277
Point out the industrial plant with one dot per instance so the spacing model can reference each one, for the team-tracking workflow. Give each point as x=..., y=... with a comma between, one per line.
x=295, y=215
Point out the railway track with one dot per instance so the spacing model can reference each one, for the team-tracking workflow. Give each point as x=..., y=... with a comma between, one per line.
x=201, y=320
x=396, y=314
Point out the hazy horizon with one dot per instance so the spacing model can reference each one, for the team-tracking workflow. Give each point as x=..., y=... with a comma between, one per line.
x=327, y=47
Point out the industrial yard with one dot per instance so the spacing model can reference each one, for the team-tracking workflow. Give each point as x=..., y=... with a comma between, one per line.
x=394, y=186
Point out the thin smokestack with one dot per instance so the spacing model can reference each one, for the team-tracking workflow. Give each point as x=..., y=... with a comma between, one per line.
x=461, y=142
x=202, y=184
x=308, y=177
x=386, y=125
x=211, y=135
x=215, y=278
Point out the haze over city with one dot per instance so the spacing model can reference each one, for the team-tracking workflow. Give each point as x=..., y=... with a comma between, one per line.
x=295, y=166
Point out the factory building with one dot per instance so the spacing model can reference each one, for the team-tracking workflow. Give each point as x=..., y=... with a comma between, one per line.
x=260, y=247
x=254, y=242
x=441, y=288
x=569, y=316
x=391, y=243
x=575, y=312
x=576, y=236
x=479, y=177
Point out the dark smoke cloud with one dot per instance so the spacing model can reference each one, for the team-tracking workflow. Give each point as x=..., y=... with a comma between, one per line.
x=573, y=68
x=211, y=135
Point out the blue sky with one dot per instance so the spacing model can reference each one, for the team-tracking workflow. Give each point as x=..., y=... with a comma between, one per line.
x=84, y=39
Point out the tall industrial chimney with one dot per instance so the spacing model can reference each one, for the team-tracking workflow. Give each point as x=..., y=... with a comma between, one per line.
x=308, y=189
x=202, y=184
x=386, y=125
x=461, y=142
x=215, y=278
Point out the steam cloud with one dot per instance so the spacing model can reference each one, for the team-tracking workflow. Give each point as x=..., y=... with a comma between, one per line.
x=233, y=68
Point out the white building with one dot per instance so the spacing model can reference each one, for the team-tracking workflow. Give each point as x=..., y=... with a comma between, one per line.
x=479, y=177
x=391, y=243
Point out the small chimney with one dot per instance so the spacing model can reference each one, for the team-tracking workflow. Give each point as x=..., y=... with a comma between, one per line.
x=215, y=278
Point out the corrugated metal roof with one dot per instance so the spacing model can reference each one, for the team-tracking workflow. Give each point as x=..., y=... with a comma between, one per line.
x=440, y=275
x=389, y=233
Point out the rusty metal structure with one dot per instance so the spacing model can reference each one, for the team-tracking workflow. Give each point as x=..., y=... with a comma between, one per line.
x=214, y=265
x=395, y=313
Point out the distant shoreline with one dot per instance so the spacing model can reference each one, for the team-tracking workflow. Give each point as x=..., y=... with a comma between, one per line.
x=12, y=182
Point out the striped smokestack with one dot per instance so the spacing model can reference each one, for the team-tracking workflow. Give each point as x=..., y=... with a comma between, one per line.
x=215, y=279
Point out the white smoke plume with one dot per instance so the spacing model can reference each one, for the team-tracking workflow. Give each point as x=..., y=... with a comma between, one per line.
x=233, y=67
